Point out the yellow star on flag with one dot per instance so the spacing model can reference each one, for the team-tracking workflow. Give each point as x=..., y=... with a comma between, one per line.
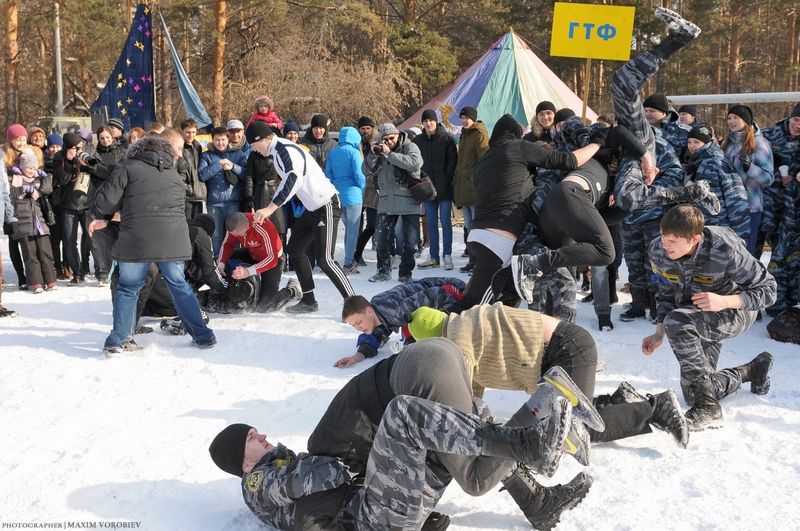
x=129, y=101
x=119, y=103
x=119, y=76
x=139, y=45
x=127, y=62
x=123, y=112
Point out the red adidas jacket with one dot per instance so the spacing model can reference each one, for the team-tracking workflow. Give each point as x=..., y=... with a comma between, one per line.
x=261, y=241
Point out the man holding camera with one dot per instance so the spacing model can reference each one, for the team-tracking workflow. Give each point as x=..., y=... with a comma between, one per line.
x=71, y=167
x=391, y=160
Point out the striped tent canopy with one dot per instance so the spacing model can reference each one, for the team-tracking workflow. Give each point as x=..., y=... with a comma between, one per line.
x=508, y=79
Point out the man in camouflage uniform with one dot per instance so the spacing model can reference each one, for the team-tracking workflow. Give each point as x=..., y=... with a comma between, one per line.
x=554, y=292
x=784, y=137
x=380, y=459
x=710, y=289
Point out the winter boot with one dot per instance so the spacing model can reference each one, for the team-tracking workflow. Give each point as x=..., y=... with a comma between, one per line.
x=541, y=505
x=668, y=416
x=652, y=306
x=556, y=382
x=757, y=373
x=577, y=443
x=638, y=305
x=700, y=192
x=706, y=412
x=625, y=394
x=538, y=446
x=308, y=304
x=678, y=27
x=173, y=327
x=5, y=312
x=525, y=269
x=436, y=522
x=604, y=323
x=142, y=329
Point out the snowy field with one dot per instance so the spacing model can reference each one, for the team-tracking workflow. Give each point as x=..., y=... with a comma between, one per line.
x=86, y=441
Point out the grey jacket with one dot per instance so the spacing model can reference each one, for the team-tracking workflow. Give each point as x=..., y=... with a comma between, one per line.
x=6, y=207
x=394, y=197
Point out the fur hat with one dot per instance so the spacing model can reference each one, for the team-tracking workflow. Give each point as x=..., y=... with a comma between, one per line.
x=657, y=101
x=28, y=160
x=742, y=111
x=469, y=112
x=545, y=106
x=426, y=322
x=227, y=448
x=264, y=98
x=16, y=131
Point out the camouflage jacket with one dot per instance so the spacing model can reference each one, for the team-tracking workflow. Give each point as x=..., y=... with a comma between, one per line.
x=785, y=150
x=789, y=229
x=675, y=133
x=720, y=264
x=280, y=481
x=708, y=163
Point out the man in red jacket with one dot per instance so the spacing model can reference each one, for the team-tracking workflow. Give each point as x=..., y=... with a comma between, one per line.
x=258, y=244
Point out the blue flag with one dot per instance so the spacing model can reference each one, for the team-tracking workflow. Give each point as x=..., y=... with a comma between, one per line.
x=129, y=94
x=191, y=101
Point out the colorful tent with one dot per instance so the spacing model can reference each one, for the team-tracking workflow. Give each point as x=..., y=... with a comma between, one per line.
x=508, y=79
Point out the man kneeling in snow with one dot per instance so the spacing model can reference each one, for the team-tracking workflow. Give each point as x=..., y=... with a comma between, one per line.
x=392, y=440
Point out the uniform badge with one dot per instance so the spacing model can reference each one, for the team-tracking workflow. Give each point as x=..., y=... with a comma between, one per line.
x=254, y=481
x=772, y=267
x=703, y=279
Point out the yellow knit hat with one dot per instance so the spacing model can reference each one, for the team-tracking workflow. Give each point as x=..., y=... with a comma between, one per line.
x=426, y=322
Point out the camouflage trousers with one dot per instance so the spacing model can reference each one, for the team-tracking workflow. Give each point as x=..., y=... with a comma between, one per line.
x=786, y=271
x=401, y=489
x=696, y=339
x=554, y=295
x=637, y=240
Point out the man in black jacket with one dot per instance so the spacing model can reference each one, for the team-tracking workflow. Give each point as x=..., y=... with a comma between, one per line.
x=149, y=193
x=187, y=168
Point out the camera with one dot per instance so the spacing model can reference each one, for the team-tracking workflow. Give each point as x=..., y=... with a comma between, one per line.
x=377, y=149
x=85, y=158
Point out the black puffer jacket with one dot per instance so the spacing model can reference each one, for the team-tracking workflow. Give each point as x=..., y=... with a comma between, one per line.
x=319, y=149
x=196, y=191
x=150, y=194
x=65, y=175
x=439, y=159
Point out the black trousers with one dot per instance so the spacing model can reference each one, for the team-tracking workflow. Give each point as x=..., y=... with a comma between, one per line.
x=318, y=228
x=192, y=208
x=489, y=282
x=15, y=252
x=38, y=258
x=271, y=297
x=573, y=229
x=56, y=237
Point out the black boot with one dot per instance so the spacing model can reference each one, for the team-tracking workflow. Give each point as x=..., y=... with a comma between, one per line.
x=436, y=522
x=653, y=306
x=626, y=394
x=307, y=304
x=706, y=412
x=668, y=416
x=538, y=446
x=638, y=305
x=5, y=312
x=757, y=373
x=542, y=506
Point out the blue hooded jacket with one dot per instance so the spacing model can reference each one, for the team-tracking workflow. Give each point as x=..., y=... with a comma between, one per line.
x=210, y=171
x=343, y=168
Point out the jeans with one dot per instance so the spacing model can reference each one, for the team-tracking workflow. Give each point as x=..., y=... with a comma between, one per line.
x=469, y=214
x=72, y=218
x=384, y=234
x=220, y=213
x=436, y=211
x=350, y=218
x=131, y=279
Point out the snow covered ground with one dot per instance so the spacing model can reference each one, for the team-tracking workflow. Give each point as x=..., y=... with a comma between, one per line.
x=85, y=439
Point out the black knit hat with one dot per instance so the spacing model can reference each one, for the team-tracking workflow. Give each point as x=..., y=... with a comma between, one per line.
x=545, y=106
x=206, y=222
x=563, y=114
x=71, y=140
x=227, y=448
x=365, y=121
x=657, y=101
x=795, y=111
x=688, y=109
x=469, y=112
x=319, y=120
x=703, y=133
x=257, y=130
x=742, y=111
x=429, y=114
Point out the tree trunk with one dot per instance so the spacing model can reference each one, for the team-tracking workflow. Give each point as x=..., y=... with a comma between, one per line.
x=411, y=11
x=12, y=58
x=164, y=78
x=219, y=56
x=83, y=59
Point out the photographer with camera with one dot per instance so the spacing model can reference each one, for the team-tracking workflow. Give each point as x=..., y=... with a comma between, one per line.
x=72, y=168
x=393, y=157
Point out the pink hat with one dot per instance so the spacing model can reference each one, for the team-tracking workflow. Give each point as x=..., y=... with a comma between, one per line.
x=16, y=131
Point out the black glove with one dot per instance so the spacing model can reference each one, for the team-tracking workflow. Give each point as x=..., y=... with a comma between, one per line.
x=599, y=136
x=247, y=204
x=231, y=177
x=746, y=161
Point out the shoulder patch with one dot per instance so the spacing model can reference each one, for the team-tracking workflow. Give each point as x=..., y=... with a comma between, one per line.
x=703, y=279
x=773, y=266
x=255, y=480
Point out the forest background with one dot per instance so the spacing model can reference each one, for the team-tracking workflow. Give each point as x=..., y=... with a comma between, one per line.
x=384, y=58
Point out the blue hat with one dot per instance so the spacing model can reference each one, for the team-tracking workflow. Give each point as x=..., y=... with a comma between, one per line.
x=291, y=125
x=55, y=140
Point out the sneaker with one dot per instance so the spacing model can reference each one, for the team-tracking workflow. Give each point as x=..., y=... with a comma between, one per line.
x=577, y=443
x=23, y=287
x=77, y=280
x=604, y=323
x=204, y=346
x=668, y=416
x=5, y=312
x=404, y=279
x=380, y=277
x=52, y=286
x=359, y=261
x=677, y=26
x=556, y=382
x=303, y=307
x=102, y=282
x=173, y=327
x=351, y=270
x=292, y=284
x=525, y=273
x=448, y=262
x=127, y=346
x=541, y=505
x=141, y=329
x=395, y=261
x=430, y=263
x=37, y=289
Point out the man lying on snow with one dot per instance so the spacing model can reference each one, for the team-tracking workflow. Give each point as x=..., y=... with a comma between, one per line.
x=392, y=440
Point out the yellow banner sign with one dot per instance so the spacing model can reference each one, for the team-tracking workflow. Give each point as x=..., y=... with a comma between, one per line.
x=592, y=31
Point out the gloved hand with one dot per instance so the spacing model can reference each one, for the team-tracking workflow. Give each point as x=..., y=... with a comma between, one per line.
x=599, y=135
x=746, y=161
x=247, y=204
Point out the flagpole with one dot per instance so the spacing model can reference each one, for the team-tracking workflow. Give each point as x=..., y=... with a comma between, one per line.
x=153, y=60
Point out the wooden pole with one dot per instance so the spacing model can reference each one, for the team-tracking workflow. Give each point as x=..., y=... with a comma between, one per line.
x=586, y=81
